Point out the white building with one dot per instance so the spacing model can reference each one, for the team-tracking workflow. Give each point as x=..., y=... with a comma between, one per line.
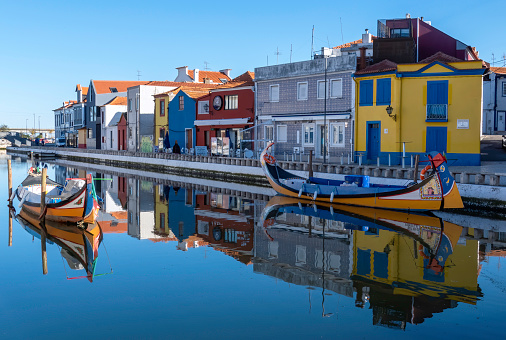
x=494, y=101
x=110, y=114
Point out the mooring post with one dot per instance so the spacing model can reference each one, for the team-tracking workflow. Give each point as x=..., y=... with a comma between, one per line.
x=310, y=163
x=9, y=175
x=43, y=220
x=415, y=175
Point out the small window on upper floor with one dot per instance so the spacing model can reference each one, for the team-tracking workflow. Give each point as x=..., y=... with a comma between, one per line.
x=383, y=91
x=321, y=88
x=113, y=89
x=231, y=102
x=504, y=89
x=181, y=103
x=162, y=108
x=274, y=93
x=366, y=94
x=336, y=88
x=302, y=91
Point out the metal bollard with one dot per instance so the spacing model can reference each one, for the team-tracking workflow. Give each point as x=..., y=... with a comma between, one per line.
x=378, y=162
x=411, y=160
x=389, y=160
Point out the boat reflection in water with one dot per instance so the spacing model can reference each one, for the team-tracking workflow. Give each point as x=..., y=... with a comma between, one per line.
x=79, y=247
x=405, y=266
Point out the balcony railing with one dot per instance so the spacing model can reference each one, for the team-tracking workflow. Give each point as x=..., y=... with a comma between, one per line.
x=438, y=112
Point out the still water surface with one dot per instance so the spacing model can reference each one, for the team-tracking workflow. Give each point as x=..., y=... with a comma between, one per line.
x=179, y=262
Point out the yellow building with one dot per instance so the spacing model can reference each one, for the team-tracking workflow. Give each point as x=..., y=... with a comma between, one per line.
x=161, y=117
x=408, y=109
x=426, y=260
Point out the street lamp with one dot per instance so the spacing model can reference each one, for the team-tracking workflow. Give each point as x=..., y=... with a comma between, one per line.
x=389, y=110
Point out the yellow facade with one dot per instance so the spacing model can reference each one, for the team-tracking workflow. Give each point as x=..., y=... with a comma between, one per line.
x=407, y=269
x=461, y=130
x=161, y=121
x=161, y=212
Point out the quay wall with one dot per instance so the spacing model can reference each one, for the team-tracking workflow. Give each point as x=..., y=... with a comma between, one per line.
x=488, y=190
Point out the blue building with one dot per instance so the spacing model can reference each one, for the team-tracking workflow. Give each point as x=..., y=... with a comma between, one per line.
x=182, y=115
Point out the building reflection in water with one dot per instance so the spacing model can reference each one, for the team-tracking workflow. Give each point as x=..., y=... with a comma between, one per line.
x=405, y=266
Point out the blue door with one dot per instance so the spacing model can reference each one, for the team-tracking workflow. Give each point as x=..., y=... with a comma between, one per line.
x=373, y=140
x=436, y=139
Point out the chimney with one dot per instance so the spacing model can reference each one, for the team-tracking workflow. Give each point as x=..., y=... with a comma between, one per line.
x=408, y=15
x=366, y=37
x=182, y=72
x=226, y=72
x=196, y=76
x=207, y=81
x=421, y=18
x=362, y=58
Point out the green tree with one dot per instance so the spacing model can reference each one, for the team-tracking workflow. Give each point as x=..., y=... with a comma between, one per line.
x=4, y=127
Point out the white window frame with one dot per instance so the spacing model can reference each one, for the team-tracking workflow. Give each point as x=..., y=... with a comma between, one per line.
x=309, y=143
x=332, y=141
x=202, y=103
x=318, y=95
x=231, y=102
x=265, y=132
x=299, y=97
x=271, y=97
x=340, y=95
x=278, y=134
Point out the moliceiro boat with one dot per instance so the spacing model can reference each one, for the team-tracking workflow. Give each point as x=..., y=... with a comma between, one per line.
x=75, y=201
x=434, y=192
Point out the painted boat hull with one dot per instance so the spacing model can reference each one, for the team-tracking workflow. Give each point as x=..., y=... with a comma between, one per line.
x=433, y=193
x=80, y=207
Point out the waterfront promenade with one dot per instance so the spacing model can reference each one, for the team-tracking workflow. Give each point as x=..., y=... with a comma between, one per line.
x=486, y=183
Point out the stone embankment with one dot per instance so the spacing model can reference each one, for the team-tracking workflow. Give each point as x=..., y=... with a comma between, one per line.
x=477, y=189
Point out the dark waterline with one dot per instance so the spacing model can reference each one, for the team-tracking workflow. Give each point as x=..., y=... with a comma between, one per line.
x=188, y=263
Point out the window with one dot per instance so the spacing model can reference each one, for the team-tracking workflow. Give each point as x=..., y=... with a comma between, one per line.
x=204, y=107
x=337, y=134
x=162, y=221
x=399, y=33
x=269, y=132
x=336, y=88
x=308, y=131
x=437, y=100
x=181, y=103
x=113, y=89
x=383, y=91
x=366, y=94
x=130, y=105
x=302, y=91
x=111, y=139
x=162, y=133
x=504, y=89
x=321, y=89
x=162, y=108
x=274, y=93
x=90, y=133
x=231, y=102
x=282, y=133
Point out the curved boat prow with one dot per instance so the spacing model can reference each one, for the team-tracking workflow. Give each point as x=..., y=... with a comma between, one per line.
x=451, y=195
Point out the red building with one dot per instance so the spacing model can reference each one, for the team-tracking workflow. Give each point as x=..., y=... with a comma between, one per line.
x=224, y=114
x=122, y=133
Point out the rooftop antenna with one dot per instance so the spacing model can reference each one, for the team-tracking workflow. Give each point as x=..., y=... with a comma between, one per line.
x=205, y=67
x=138, y=75
x=290, y=53
x=504, y=59
x=342, y=37
x=312, y=41
x=277, y=53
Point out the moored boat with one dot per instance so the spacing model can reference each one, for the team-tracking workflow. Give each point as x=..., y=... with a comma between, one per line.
x=74, y=201
x=435, y=192
x=79, y=247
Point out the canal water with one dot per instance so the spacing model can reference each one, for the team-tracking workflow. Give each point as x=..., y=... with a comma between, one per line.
x=174, y=261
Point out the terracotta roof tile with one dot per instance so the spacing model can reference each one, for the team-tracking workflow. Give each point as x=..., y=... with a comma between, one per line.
x=245, y=79
x=382, y=66
x=212, y=75
x=499, y=70
x=359, y=41
x=104, y=86
x=439, y=56
x=117, y=101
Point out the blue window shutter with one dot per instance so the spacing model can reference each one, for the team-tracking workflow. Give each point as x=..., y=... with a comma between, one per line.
x=437, y=92
x=366, y=92
x=383, y=91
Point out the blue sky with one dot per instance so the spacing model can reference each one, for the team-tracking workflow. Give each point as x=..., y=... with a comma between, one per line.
x=50, y=46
